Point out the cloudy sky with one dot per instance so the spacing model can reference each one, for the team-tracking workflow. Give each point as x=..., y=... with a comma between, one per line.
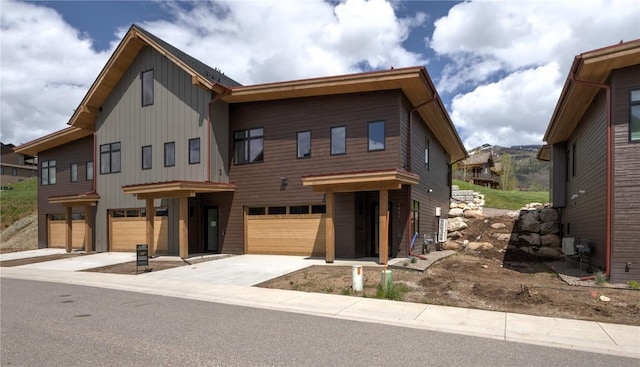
x=499, y=66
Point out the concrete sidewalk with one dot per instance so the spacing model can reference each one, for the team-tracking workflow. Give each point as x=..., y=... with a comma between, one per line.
x=622, y=340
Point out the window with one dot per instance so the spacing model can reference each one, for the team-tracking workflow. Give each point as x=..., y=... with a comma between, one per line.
x=277, y=210
x=376, y=135
x=318, y=209
x=147, y=87
x=74, y=172
x=89, y=171
x=338, y=140
x=304, y=144
x=299, y=209
x=14, y=171
x=634, y=119
x=248, y=146
x=146, y=157
x=415, y=216
x=170, y=154
x=110, y=158
x=194, y=151
x=256, y=211
x=48, y=172
x=573, y=159
x=426, y=153
x=1, y=170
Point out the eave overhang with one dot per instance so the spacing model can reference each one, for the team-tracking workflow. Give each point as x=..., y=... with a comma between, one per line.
x=414, y=82
x=592, y=67
x=52, y=140
x=75, y=200
x=360, y=181
x=175, y=189
x=544, y=153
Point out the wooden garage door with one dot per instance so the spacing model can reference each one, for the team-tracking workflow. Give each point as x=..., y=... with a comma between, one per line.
x=56, y=233
x=127, y=232
x=296, y=234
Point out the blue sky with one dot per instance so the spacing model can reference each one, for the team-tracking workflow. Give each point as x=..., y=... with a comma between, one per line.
x=499, y=66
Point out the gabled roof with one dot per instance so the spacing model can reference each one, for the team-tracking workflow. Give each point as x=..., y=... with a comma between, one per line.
x=134, y=40
x=53, y=140
x=593, y=67
x=477, y=159
x=413, y=81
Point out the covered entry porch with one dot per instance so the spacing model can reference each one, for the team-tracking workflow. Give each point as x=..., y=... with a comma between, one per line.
x=180, y=190
x=355, y=182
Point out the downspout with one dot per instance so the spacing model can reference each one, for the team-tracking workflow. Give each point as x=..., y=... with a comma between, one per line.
x=609, y=163
x=409, y=209
x=211, y=102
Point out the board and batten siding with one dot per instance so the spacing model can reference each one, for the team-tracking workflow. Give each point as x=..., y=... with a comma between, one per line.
x=79, y=152
x=259, y=184
x=178, y=113
x=433, y=176
x=625, y=239
x=584, y=215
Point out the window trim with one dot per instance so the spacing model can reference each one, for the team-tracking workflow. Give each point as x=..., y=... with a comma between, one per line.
x=193, y=140
x=298, y=135
x=150, y=150
x=143, y=87
x=73, y=172
x=246, y=140
x=633, y=103
x=331, y=151
x=50, y=166
x=110, y=152
x=166, y=160
x=384, y=136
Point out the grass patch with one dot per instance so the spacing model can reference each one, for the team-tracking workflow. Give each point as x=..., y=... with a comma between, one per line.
x=394, y=292
x=633, y=284
x=19, y=202
x=513, y=200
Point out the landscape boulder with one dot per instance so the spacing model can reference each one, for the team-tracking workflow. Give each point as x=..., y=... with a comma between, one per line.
x=456, y=224
x=498, y=225
x=452, y=245
x=548, y=215
x=529, y=222
x=455, y=212
x=531, y=239
x=482, y=246
x=550, y=240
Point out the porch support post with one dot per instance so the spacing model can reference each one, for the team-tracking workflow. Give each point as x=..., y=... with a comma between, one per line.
x=88, y=229
x=183, y=229
x=68, y=230
x=330, y=250
x=150, y=212
x=383, y=236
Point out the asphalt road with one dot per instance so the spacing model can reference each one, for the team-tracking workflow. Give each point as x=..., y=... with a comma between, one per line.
x=51, y=324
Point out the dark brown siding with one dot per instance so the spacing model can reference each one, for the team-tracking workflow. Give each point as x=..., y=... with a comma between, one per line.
x=584, y=215
x=80, y=152
x=259, y=184
x=626, y=181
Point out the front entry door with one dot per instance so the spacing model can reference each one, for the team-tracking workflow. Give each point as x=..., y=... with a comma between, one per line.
x=211, y=226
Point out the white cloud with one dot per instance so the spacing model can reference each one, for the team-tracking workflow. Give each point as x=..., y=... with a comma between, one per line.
x=48, y=66
x=507, y=60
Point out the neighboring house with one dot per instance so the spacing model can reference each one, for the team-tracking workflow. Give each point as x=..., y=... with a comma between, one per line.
x=189, y=161
x=593, y=143
x=480, y=169
x=15, y=167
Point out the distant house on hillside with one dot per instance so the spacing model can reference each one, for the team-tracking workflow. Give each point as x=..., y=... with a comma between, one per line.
x=480, y=169
x=15, y=167
x=593, y=144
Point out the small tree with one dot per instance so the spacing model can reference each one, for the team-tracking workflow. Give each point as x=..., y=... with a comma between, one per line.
x=508, y=180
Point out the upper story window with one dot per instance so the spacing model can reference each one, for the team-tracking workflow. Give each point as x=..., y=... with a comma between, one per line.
x=146, y=157
x=304, y=144
x=170, y=154
x=194, y=151
x=338, y=140
x=634, y=119
x=74, y=172
x=14, y=171
x=573, y=159
x=89, y=171
x=426, y=153
x=376, y=135
x=48, y=172
x=248, y=146
x=147, y=87
x=110, y=158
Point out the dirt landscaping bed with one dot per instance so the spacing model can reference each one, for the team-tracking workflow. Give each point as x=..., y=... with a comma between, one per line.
x=33, y=260
x=155, y=264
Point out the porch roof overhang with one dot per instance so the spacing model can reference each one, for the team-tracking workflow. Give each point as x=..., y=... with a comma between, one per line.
x=52, y=140
x=175, y=189
x=592, y=67
x=361, y=181
x=90, y=199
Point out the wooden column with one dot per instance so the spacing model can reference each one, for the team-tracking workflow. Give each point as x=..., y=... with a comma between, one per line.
x=68, y=230
x=150, y=212
x=183, y=228
x=330, y=250
x=383, y=239
x=88, y=229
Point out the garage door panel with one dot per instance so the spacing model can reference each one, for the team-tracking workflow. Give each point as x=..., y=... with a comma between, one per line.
x=128, y=232
x=57, y=236
x=301, y=235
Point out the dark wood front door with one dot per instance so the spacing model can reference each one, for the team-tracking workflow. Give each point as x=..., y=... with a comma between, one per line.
x=211, y=229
